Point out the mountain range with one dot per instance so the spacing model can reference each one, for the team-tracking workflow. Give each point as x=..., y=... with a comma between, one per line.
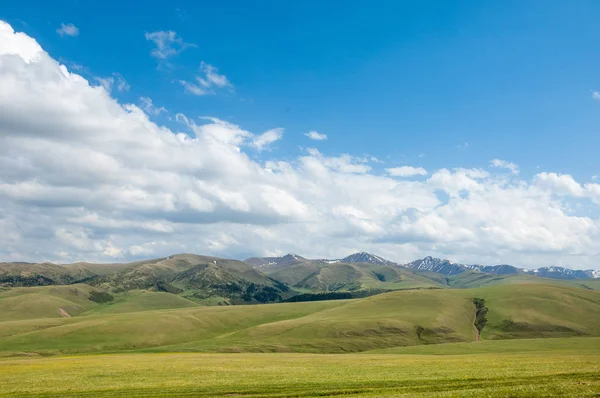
x=431, y=264
x=213, y=280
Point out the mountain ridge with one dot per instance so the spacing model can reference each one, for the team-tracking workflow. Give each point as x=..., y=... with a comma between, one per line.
x=435, y=265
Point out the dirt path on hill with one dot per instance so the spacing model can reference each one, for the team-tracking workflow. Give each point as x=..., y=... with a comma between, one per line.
x=475, y=327
x=64, y=313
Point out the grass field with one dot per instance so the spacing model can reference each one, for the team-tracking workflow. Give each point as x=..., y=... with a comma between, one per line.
x=560, y=369
x=159, y=344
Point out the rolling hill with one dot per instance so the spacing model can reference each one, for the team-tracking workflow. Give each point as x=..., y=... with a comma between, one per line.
x=42, y=274
x=199, y=277
x=385, y=320
x=211, y=280
x=336, y=276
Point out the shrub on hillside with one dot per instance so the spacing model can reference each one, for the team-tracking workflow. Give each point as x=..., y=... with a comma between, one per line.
x=100, y=297
x=167, y=287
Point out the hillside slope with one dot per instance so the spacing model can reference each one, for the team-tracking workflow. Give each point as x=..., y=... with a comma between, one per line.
x=42, y=274
x=44, y=302
x=533, y=310
x=386, y=320
x=322, y=276
x=201, y=277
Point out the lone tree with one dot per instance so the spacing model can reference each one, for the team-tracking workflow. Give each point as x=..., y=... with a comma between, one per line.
x=419, y=329
x=480, y=314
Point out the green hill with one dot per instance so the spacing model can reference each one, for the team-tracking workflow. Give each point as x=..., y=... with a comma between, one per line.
x=323, y=276
x=44, y=302
x=532, y=310
x=209, y=280
x=199, y=278
x=386, y=320
x=142, y=300
x=72, y=300
x=473, y=279
x=43, y=274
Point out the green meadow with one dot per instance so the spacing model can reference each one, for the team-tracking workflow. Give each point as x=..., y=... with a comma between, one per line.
x=560, y=373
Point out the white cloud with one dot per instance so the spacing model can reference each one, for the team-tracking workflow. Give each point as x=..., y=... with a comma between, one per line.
x=596, y=95
x=207, y=83
x=313, y=135
x=406, y=171
x=195, y=89
x=565, y=185
x=562, y=184
x=151, y=109
x=343, y=164
x=91, y=179
x=167, y=43
x=212, y=76
x=267, y=138
x=116, y=80
x=68, y=30
x=503, y=164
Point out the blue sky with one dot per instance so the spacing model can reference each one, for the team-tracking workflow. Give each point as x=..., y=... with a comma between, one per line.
x=465, y=130
x=391, y=79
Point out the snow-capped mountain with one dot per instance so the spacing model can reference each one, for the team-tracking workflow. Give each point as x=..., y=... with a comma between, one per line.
x=437, y=265
x=364, y=257
x=564, y=273
x=430, y=264
x=266, y=262
x=449, y=268
x=503, y=269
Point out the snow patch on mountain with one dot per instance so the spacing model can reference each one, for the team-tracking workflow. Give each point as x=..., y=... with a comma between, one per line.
x=266, y=262
x=564, y=273
x=437, y=265
x=364, y=257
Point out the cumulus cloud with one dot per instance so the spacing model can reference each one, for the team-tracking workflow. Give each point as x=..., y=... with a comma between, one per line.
x=503, y=164
x=68, y=30
x=313, y=135
x=167, y=43
x=406, y=171
x=89, y=178
x=596, y=95
x=563, y=184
